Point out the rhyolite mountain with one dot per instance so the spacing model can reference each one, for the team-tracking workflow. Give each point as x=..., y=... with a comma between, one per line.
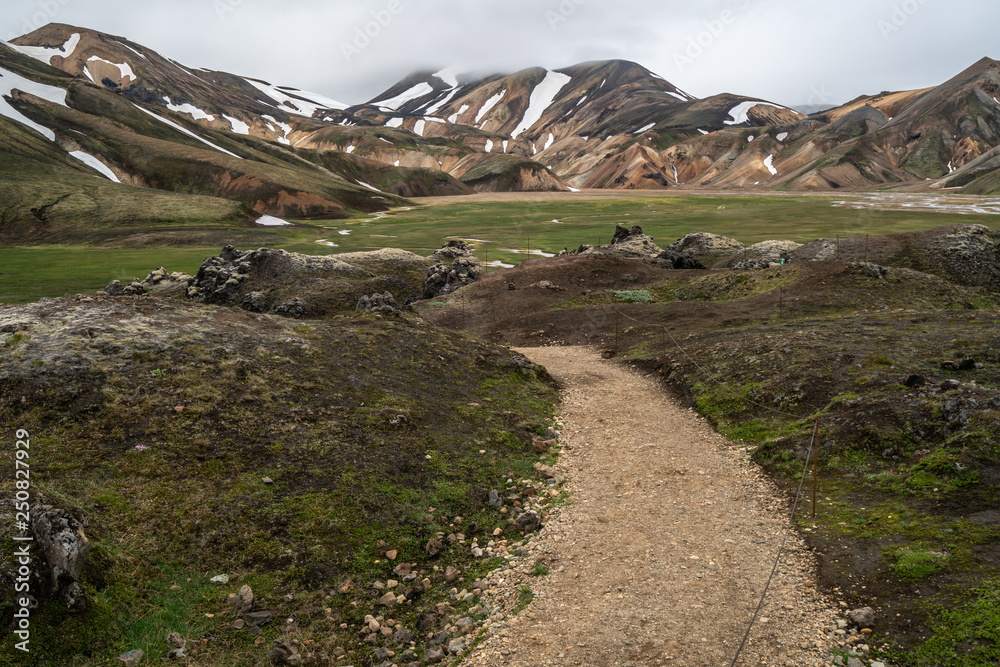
x=89, y=116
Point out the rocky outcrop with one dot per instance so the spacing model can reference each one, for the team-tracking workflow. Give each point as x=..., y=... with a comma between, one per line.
x=444, y=278
x=378, y=304
x=61, y=538
x=631, y=243
x=711, y=250
x=295, y=285
x=967, y=254
x=135, y=288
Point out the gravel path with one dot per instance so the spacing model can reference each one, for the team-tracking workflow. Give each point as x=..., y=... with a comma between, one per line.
x=664, y=550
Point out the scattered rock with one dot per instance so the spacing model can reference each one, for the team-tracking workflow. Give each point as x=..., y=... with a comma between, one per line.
x=132, y=658
x=545, y=472
x=949, y=385
x=456, y=646
x=258, y=618
x=388, y=600
x=243, y=601
x=451, y=574
x=61, y=538
x=221, y=579
x=283, y=653
x=433, y=547
x=913, y=381
x=434, y=654
x=493, y=497
x=392, y=554
x=874, y=270
x=428, y=620
x=862, y=618
x=528, y=521
x=403, y=636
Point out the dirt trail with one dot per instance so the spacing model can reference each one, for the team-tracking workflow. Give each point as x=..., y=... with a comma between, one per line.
x=663, y=553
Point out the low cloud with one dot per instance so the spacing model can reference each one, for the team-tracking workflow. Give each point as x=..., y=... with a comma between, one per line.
x=778, y=50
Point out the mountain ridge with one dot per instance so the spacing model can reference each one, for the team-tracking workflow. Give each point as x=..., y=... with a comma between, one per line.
x=278, y=150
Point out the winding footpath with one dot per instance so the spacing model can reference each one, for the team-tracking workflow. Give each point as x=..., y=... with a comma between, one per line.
x=662, y=554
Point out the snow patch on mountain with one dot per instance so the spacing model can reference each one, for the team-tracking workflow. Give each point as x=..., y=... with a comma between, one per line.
x=422, y=89
x=184, y=131
x=95, y=164
x=490, y=103
x=449, y=75
x=284, y=126
x=437, y=106
x=769, y=163
x=370, y=187
x=740, y=113
x=418, y=128
x=133, y=50
x=294, y=101
x=541, y=98
x=454, y=117
x=239, y=127
x=271, y=221
x=47, y=53
x=489, y=145
x=10, y=82
x=551, y=140
x=350, y=149
x=782, y=136
x=189, y=109
x=394, y=122
x=124, y=68
x=647, y=128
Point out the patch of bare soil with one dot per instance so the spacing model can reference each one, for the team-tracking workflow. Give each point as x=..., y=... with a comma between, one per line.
x=664, y=549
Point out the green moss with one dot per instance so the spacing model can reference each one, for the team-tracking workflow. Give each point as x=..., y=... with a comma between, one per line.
x=964, y=635
x=634, y=296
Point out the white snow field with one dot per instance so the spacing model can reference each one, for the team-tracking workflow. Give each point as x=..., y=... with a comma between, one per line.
x=541, y=98
x=95, y=164
x=741, y=111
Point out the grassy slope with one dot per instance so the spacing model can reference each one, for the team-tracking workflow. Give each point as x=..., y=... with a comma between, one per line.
x=176, y=498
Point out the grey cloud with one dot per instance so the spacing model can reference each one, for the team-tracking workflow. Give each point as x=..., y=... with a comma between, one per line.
x=782, y=50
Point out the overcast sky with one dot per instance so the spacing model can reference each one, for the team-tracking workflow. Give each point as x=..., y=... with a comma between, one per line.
x=788, y=51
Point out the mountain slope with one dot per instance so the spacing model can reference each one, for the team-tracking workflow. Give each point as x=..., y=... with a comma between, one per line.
x=948, y=132
x=81, y=154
